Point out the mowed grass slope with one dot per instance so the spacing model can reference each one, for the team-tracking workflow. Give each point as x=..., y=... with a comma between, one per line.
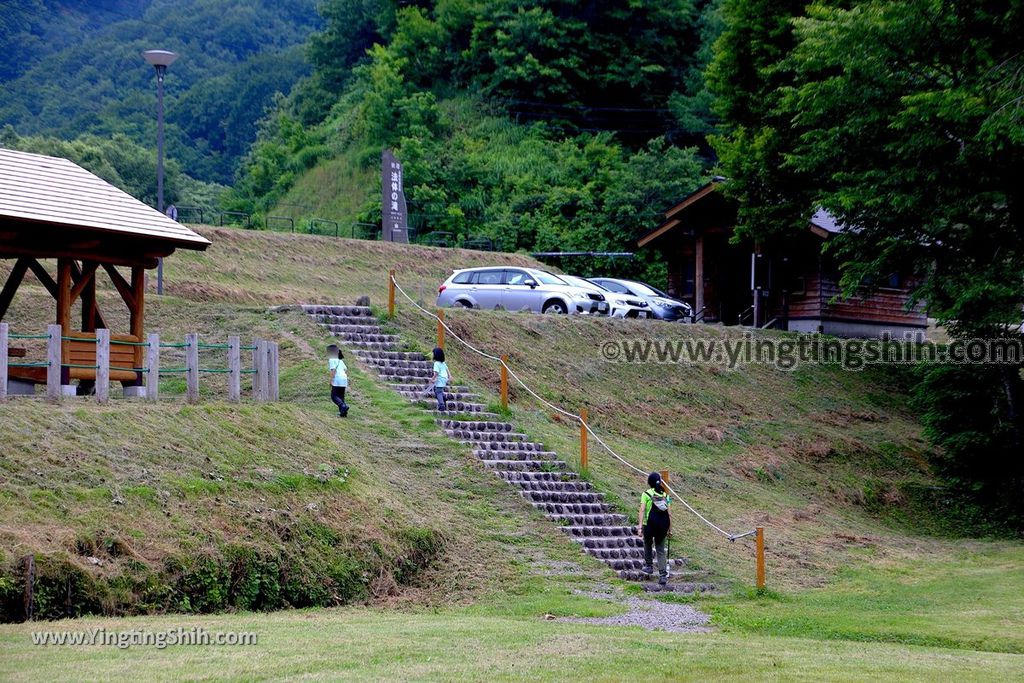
x=868, y=580
x=134, y=507
x=832, y=463
x=261, y=267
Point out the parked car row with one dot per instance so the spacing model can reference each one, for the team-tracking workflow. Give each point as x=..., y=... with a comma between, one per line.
x=520, y=289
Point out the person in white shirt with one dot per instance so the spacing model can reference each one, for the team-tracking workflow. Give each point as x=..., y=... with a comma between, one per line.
x=442, y=376
x=339, y=378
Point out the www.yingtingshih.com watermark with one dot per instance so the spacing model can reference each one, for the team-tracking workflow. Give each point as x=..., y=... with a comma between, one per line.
x=125, y=639
x=790, y=352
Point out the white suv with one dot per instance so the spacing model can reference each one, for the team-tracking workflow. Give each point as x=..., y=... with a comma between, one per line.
x=518, y=289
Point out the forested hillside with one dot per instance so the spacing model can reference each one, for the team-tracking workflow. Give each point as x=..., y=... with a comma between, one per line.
x=549, y=124
x=70, y=68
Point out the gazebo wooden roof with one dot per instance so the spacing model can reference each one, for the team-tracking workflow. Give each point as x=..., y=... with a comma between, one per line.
x=51, y=208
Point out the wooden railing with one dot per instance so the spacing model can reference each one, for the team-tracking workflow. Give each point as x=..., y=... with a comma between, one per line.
x=100, y=357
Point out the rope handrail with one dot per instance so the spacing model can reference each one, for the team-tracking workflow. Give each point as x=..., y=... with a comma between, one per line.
x=557, y=409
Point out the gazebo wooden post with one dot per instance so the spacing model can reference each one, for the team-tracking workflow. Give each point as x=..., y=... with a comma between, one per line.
x=64, y=313
x=89, y=308
x=138, y=307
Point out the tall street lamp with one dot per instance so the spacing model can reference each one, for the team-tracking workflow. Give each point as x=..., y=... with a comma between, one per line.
x=160, y=59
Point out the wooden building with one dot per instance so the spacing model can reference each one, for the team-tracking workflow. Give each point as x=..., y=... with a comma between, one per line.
x=55, y=214
x=788, y=284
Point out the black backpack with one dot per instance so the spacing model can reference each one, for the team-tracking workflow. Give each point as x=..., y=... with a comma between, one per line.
x=658, y=520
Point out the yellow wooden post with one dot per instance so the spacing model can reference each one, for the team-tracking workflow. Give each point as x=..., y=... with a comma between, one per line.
x=583, y=438
x=504, y=381
x=760, y=557
x=391, y=293
x=664, y=477
x=440, y=328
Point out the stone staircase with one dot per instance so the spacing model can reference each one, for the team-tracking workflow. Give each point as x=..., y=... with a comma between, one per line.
x=540, y=477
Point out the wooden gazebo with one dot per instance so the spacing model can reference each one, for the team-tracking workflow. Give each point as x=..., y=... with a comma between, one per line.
x=51, y=208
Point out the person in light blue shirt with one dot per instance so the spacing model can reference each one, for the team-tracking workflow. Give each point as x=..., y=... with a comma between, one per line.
x=339, y=378
x=442, y=377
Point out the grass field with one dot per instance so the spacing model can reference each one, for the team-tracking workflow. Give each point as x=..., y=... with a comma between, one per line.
x=870, y=577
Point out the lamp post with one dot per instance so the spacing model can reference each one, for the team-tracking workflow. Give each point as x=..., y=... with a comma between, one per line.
x=160, y=59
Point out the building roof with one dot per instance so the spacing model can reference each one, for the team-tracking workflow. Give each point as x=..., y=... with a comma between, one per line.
x=56, y=192
x=822, y=223
x=826, y=221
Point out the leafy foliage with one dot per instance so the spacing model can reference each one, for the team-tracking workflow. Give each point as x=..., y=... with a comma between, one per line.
x=542, y=125
x=124, y=164
x=71, y=68
x=904, y=119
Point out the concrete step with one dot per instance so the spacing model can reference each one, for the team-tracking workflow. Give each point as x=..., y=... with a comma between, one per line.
x=351, y=330
x=390, y=371
x=563, y=496
x=627, y=532
x=391, y=355
x=377, y=346
x=422, y=383
x=523, y=446
x=589, y=542
x=346, y=320
x=571, y=508
x=545, y=456
x=373, y=337
x=321, y=309
x=458, y=406
x=486, y=437
x=612, y=519
x=513, y=465
x=476, y=425
x=555, y=485
x=465, y=414
x=421, y=393
x=521, y=478
x=400, y=364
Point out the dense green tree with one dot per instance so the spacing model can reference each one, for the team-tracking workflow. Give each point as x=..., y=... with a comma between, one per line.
x=906, y=120
x=122, y=163
x=747, y=75
x=71, y=67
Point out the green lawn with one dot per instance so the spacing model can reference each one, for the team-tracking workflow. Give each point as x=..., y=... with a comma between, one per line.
x=365, y=644
x=969, y=598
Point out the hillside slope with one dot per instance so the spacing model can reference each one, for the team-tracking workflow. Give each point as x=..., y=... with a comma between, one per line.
x=137, y=508
x=831, y=462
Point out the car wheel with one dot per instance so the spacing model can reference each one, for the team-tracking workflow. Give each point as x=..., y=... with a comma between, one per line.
x=463, y=304
x=556, y=307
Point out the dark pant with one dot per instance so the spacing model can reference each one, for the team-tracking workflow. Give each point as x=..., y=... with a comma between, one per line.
x=651, y=543
x=338, y=396
x=439, y=394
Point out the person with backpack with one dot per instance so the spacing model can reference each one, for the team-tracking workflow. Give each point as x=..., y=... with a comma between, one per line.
x=339, y=378
x=655, y=520
x=442, y=376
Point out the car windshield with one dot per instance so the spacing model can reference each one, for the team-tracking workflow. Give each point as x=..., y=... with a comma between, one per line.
x=548, y=278
x=582, y=284
x=647, y=290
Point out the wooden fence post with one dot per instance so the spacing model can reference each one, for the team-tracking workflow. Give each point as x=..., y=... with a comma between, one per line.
x=192, y=367
x=234, y=368
x=4, y=332
x=258, y=358
x=583, y=439
x=440, y=328
x=273, y=392
x=53, y=358
x=102, y=365
x=153, y=368
x=664, y=477
x=760, y=557
x=504, y=381
x=391, y=293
